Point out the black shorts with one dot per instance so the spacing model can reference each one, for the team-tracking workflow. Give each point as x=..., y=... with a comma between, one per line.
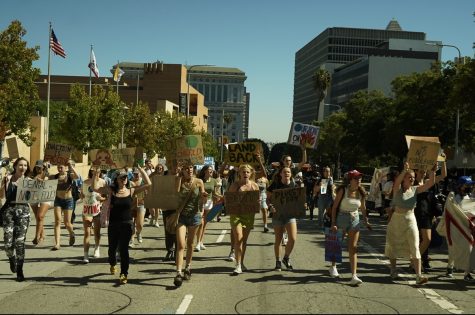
x=424, y=221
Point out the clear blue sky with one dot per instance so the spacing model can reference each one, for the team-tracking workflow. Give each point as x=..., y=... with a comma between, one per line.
x=260, y=37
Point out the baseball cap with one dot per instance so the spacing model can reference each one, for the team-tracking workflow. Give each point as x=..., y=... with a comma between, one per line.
x=121, y=173
x=136, y=171
x=465, y=180
x=354, y=174
x=39, y=163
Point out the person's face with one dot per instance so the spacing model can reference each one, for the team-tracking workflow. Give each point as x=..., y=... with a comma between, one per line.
x=326, y=172
x=286, y=173
x=149, y=164
x=21, y=167
x=136, y=176
x=245, y=173
x=123, y=179
x=159, y=168
x=288, y=161
x=355, y=180
x=61, y=169
x=102, y=157
x=409, y=178
x=188, y=171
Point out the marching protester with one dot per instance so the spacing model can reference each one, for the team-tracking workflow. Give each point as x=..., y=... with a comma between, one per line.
x=91, y=214
x=213, y=191
x=63, y=203
x=402, y=236
x=75, y=191
x=281, y=222
x=189, y=218
x=121, y=227
x=424, y=212
x=40, y=172
x=241, y=225
x=15, y=217
x=263, y=183
x=388, y=192
x=159, y=170
x=138, y=208
x=323, y=192
x=462, y=192
x=310, y=177
x=349, y=200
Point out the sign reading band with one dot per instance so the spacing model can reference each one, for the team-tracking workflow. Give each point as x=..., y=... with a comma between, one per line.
x=289, y=202
x=242, y=202
x=34, y=191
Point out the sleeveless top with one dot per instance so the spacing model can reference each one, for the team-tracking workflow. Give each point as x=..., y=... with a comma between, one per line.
x=120, y=209
x=348, y=204
x=193, y=205
x=406, y=200
x=10, y=191
x=92, y=206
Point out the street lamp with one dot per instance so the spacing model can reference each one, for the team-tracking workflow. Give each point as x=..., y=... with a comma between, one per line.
x=123, y=127
x=188, y=70
x=457, y=122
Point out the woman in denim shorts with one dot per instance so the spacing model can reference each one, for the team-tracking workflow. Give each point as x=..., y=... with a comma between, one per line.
x=348, y=201
x=188, y=221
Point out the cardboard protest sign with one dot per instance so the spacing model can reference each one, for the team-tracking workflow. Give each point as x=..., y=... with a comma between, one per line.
x=303, y=134
x=423, y=154
x=243, y=153
x=289, y=202
x=185, y=149
x=34, y=191
x=242, y=202
x=164, y=192
x=333, y=241
x=57, y=153
x=440, y=158
x=115, y=158
x=12, y=147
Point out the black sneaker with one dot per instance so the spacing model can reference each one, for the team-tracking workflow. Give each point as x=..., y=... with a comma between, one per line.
x=287, y=263
x=266, y=229
x=187, y=275
x=278, y=265
x=178, y=280
x=468, y=278
x=449, y=273
x=426, y=266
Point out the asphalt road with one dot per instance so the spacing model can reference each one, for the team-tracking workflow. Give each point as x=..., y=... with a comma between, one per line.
x=58, y=281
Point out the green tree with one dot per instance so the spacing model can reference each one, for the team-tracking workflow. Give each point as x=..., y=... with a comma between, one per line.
x=171, y=126
x=18, y=92
x=141, y=129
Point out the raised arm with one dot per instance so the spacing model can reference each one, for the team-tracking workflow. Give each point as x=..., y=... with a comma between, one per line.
x=146, y=180
x=304, y=156
x=443, y=172
x=399, y=179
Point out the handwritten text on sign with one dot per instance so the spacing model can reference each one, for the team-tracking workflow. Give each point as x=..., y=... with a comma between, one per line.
x=303, y=134
x=58, y=154
x=242, y=202
x=423, y=154
x=33, y=191
x=244, y=153
x=290, y=202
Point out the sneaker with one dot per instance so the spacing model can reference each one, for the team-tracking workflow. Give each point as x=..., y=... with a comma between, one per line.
x=394, y=274
x=97, y=254
x=287, y=263
x=421, y=280
x=197, y=247
x=285, y=239
x=72, y=239
x=156, y=224
x=202, y=246
x=334, y=272
x=426, y=266
x=131, y=244
x=355, y=281
x=450, y=273
x=123, y=279
x=468, y=278
x=178, y=280
x=139, y=238
x=187, y=274
x=114, y=269
x=231, y=256
x=238, y=270
x=85, y=260
x=266, y=229
x=278, y=265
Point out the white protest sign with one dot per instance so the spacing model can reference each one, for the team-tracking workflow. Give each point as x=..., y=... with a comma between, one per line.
x=34, y=191
x=303, y=134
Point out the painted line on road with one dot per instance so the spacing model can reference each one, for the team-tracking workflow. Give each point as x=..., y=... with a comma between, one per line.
x=221, y=237
x=184, y=304
x=428, y=293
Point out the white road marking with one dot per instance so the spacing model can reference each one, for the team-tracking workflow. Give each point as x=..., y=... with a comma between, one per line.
x=428, y=293
x=221, y=237
x=184, y=304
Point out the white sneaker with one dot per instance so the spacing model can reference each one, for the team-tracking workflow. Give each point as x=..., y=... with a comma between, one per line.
x=285, y=239
x=355, y=280
x=97, y=254
x=231, y=256
x=333, y=272
x=156, y=224
x=202, y=246
x=139, y=238
x=197, y=247
x=238, y=270
x=85, y=260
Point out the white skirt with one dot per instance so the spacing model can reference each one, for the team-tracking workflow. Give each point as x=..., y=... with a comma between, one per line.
x=402, y=236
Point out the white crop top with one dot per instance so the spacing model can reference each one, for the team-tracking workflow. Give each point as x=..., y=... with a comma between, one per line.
x=349, y=204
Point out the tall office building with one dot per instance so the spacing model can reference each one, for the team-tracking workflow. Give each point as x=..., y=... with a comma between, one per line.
x=225, y=94
x=332, y=48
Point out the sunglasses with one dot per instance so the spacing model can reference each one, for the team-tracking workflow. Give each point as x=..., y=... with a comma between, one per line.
x=123, y=177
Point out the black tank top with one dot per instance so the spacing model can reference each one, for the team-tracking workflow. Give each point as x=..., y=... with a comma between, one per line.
x=121, y=209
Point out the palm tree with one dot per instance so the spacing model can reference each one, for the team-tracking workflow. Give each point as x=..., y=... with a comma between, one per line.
x=321, y=82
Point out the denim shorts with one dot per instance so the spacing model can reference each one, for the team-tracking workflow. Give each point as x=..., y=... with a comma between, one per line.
x=187, y=221
x=64, y=204
x=282, y=221
x=348, y=221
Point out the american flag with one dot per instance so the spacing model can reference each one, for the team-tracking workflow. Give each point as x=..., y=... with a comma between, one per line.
x=56, y=45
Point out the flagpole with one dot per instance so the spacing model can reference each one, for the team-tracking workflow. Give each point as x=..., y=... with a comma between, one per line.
x=90, y=72
x=117, y=83
x=49, y=86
